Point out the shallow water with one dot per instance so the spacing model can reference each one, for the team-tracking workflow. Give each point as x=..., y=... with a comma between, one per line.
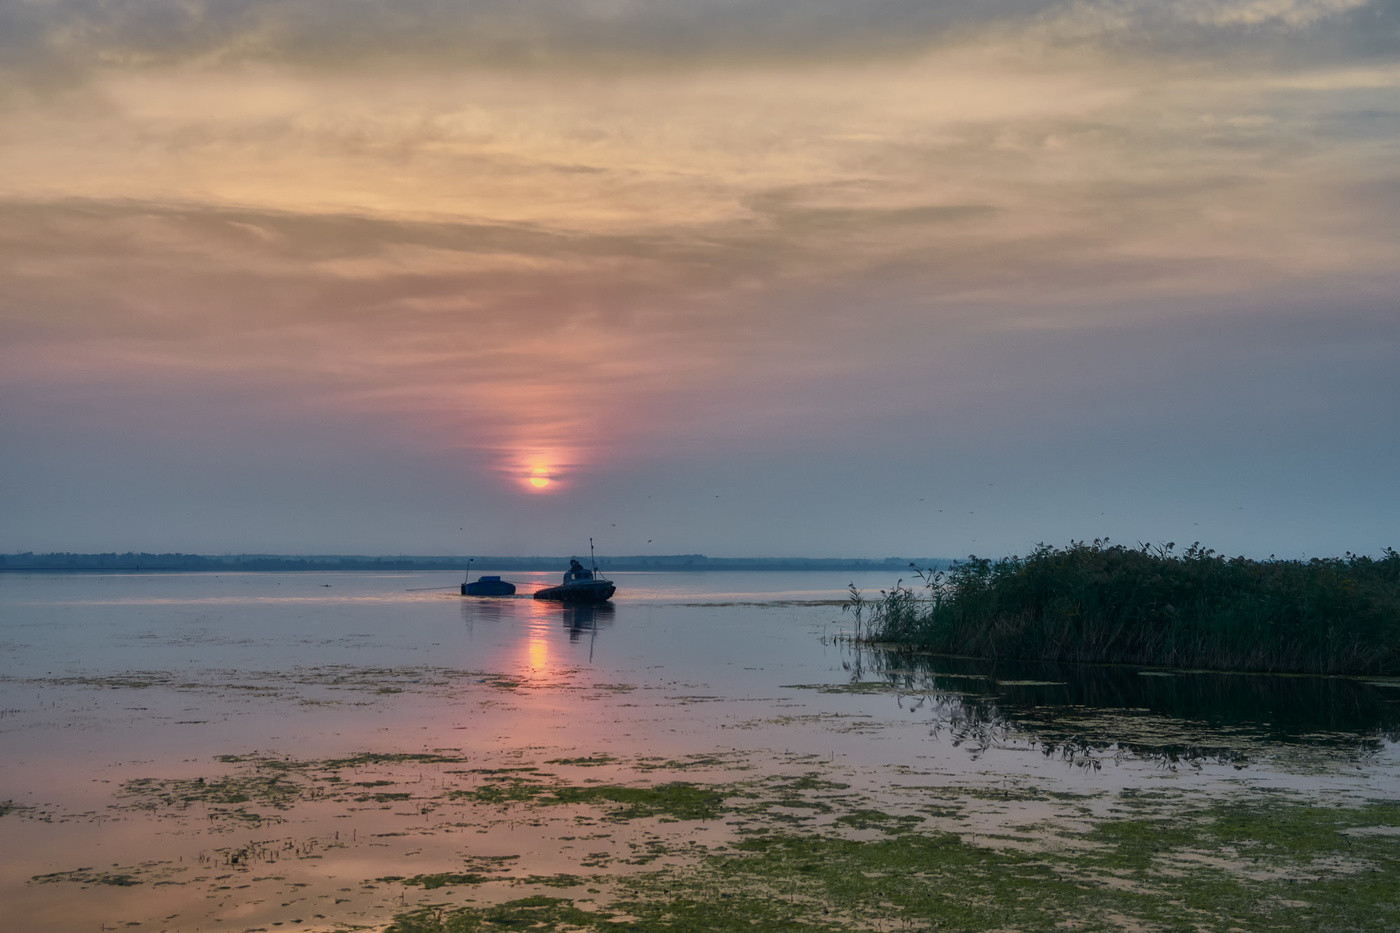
x=118, y=686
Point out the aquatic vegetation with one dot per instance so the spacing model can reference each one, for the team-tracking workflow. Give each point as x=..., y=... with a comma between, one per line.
x=677, y=800
x=729, y=761
x=223, y=797
x=1090, y=715
x=528, y=913
x=333, y=764
x=480, y=801
x=440, y=880
x=1252, y=863
x=512, y=790
x=1103, y=603
x=88, y=876
x=803, y=848
x=877, y=819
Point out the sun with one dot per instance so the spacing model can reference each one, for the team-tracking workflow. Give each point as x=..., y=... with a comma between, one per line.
x=539, y=477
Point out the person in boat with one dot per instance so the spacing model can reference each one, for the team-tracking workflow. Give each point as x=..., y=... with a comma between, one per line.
x=576, y=571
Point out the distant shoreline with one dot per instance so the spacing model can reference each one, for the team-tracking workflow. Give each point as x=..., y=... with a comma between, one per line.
x=63, y=562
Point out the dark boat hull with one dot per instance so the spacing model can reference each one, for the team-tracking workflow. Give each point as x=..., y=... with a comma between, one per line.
x=488, y=586
x=584, y=591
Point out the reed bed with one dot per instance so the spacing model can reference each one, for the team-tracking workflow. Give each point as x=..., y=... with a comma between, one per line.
x=1106, y=603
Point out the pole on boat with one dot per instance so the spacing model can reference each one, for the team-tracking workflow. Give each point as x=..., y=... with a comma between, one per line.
x=469, y=570
x=591, y=559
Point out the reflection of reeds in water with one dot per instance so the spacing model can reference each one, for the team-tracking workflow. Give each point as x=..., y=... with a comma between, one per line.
x=1081, y=712
x=1104, y=603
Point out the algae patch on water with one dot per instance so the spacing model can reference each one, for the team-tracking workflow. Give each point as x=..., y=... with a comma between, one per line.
x=226, y=798
x=677, y=800
x=1259, y=862
x=87, y=876
x=810, y=847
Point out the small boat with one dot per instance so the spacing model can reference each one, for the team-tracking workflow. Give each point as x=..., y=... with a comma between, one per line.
x=488, y=586
x=580, y=586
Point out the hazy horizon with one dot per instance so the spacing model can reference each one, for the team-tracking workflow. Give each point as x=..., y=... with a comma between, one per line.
x=714, y=277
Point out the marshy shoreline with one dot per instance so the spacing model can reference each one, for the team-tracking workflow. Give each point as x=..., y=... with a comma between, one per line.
x=446, y=839
x=256, y=754
x=1101, y=603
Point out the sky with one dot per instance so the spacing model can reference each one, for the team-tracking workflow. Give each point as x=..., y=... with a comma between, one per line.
x=734, y=277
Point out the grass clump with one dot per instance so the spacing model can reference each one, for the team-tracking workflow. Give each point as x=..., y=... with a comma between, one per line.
x=179, y=793
x=526, y=913
x=88, y=876
x=1102, y=603
x=441, y=880
x=677, y=800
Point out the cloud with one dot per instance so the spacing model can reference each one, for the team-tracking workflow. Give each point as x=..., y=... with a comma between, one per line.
x=68, y=36
x=602, y=232
x=63, y=39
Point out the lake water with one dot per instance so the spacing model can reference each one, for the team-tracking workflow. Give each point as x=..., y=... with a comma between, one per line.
x=140, y=717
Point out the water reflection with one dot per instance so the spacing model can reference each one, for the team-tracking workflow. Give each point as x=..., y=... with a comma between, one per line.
x=539, y=621
x=487, y=609
x=1085, y=714
x=580, y=619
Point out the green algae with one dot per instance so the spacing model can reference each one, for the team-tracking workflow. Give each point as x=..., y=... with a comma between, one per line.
x=590, y=761
x=559, y=880
x=877, y=819
x=1004, y=791
x=501, y=792
x=88, y=876
x=677, y=800
x=440, y=880
x=1262, y=862
x=532, y=913
x=332, y=764
x=273, y=783
x=1271, y=830
x=804, y=851
x=728, y=762
x=801, y=850
x=811, y=781
x=223, y=797
x=382, y=758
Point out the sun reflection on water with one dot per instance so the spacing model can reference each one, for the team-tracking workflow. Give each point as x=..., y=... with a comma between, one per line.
x=537, y=652
x=541, y=641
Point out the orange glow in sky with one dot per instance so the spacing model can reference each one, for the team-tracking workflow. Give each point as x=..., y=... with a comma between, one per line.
x=642, y=266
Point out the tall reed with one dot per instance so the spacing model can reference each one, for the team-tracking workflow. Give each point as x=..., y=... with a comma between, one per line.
x=1106, y=603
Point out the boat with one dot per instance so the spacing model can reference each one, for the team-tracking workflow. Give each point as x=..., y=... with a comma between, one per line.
x=488, y=586
x=580, y=586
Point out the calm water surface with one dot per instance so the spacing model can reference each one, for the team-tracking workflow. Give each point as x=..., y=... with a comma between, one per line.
x=109, y=679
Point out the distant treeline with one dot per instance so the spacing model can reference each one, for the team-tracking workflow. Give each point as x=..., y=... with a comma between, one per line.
x=133, y=562
x=1102, y=603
